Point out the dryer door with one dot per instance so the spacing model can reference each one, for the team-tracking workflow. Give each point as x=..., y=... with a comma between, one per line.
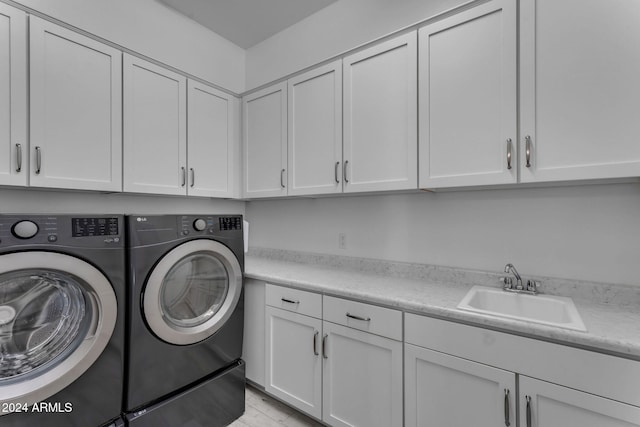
x=57, y=314
x=192, y=291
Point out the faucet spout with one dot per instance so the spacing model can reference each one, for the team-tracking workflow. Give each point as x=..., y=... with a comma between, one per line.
x=509, y=268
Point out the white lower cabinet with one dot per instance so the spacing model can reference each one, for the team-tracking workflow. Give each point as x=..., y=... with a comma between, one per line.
x=294, y=366
x=346, y=374
x=456, y=381
x=443, y=390
x=362, y=384
x=543, y=404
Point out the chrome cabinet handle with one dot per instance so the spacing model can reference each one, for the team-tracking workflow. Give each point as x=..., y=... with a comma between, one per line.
x=324, y=346
x=290, y=301
x=282, y=178
x=527, y=141
x=506, y=408
x=336, y=172
x=509, y=153
x=184, y=176
x=38, y=160
x=193, y=177
x=353, y=316
x=18, y=157
x=315, y=343
x=528, y=411
x=346, y=162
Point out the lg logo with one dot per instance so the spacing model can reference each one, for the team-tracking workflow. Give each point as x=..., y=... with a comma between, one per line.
x=141, y=219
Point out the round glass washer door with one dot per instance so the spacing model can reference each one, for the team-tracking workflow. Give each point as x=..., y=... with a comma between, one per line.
x=192, y=292
x=57, y=314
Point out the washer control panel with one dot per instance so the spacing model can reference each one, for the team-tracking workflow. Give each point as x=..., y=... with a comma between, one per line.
x=72, y=230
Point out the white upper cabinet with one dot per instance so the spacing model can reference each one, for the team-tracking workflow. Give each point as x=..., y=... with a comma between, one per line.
x=265, y=142
x=155, y=133
x=211, y=139
x=380, y=117
x=76, y=110
x=579, y=68
x=468, y=99
x=315, y=131
x=14, y=149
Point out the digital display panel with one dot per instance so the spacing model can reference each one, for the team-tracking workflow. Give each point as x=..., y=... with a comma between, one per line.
x=87, y=227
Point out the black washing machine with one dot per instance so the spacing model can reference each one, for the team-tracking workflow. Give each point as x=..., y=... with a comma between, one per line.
x=186, y=317
x=62, y=294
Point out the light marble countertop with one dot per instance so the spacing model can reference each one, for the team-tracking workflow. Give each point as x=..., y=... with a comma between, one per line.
x=611, y=313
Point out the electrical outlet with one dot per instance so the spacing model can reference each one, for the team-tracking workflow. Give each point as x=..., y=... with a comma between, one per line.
x=342, y=240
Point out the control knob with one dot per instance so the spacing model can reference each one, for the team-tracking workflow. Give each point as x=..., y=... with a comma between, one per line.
x=25, y=229
x=199, y=224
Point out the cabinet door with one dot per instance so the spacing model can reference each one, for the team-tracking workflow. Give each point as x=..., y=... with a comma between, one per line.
x=210, y=149
x=265, y=142
x=443, y=390
x=14, y=147
x=543, y=404
x=76, y=110
x=293, y=361
x=315, y=131
x=155, y=134
x=362, y=384
x=579, y=68
x=467, y=95
x=380, y=117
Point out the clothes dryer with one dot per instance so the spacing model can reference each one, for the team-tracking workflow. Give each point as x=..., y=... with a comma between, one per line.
x=61, y=320
x=186, y=315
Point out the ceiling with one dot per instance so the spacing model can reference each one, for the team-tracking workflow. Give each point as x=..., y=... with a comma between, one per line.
x=247, y=22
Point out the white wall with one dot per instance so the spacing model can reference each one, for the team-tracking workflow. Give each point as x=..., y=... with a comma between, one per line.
x=154, y=30
x=32, y=201
x=333, y=30
x=586, y=233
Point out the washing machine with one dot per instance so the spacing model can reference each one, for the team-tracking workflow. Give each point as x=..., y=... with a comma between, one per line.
x=62, y=295
x=186, y=316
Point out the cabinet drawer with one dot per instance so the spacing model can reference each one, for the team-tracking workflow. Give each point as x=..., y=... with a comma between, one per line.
x=370, y=318
x=295, y=300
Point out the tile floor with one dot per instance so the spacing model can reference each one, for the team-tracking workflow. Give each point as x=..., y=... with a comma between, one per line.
x=264, y=411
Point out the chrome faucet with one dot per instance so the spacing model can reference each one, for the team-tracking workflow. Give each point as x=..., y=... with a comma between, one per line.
x=509, y=268
x=531, y=288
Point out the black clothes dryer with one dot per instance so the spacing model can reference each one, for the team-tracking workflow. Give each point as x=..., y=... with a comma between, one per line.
x=186, y=316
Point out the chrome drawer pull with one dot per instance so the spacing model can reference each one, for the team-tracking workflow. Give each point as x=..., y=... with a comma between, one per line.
x=38, y=160
x=324, y=347
x=18, y=157
x=353, y=316
x=528, y=411
x=344, y=173
x=282, y=178
x=506, y=408
x=527, y=140
x=315, y=343
x=193, y=177
x=336, y=173
x=184, y=176
x=290, y=301
x=509, y=153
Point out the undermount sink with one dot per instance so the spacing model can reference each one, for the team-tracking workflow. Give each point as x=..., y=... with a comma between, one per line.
x=544, y=309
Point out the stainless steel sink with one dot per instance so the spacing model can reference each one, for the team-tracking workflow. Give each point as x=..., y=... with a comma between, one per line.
x=544, y=309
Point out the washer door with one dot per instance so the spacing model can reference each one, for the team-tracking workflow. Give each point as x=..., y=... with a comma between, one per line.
x=57, y=314
x=192, y=292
